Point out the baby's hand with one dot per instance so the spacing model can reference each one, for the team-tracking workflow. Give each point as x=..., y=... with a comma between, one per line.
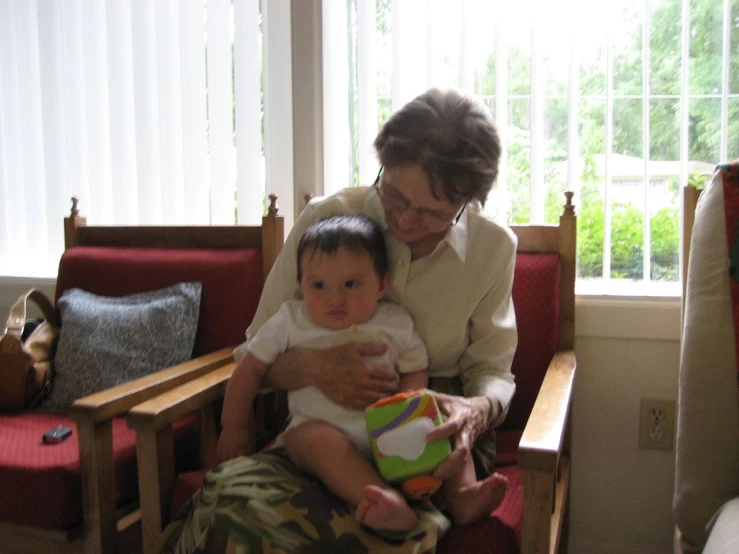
x=235, y=442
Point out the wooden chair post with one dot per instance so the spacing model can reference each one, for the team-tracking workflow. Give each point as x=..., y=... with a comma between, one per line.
x=568, y=257
x=71, y=224
x=273, y=231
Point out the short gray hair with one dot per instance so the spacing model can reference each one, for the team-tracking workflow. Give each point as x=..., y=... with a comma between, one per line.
x=452, y=138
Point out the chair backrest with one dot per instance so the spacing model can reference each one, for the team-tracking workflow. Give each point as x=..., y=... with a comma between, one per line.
x=544, y=301
x=231, y=262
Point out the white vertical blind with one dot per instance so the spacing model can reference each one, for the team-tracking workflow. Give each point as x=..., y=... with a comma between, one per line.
x=169, y=72
x=129, y=105
x=247, y=88
x=337, y=150
x=278, y=105
x=146, y=110
x=367, y=88
x=220, y=110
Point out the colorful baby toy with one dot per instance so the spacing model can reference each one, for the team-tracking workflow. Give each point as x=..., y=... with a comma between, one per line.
x=397, y=427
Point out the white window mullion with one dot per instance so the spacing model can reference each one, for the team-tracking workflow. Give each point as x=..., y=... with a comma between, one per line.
x=194, y=118
x=409, y=72
x=574, y=159
x=466, y=48
x=537, y=189
x=501, y=118
x=684, y=116
x=646, y=94
x=278, y=106
x=367, y=89
x=337, y=147
x=607, y=158
x=122, y=113
x=29, y=80
x=433, y=57
x=100, y=164
x=248, y=111
x=170, y=112
x=726, y=82
x=51, y=72
x=146, y=106
x=220, y=104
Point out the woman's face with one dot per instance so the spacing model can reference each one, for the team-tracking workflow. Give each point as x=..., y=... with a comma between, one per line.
x=412, y=212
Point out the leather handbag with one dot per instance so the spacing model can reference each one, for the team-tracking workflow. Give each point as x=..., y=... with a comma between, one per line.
x=27, y=354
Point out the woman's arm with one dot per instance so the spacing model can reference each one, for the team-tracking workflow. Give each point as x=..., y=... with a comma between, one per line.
x=339, y=373
x=487, y=382
x=414, y=381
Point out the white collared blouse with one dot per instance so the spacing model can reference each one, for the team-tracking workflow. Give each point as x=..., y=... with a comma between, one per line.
x=459, y=295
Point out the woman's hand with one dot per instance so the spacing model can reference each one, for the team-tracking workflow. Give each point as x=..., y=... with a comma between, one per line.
x=465, y=419
x=342, y=375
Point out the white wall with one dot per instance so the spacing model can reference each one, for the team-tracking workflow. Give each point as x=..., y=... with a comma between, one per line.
x=621, y=495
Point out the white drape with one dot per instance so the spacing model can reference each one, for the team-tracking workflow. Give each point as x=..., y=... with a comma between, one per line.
x=148, y=112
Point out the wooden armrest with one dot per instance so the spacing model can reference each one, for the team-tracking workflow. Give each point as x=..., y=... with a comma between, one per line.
x=118, y=400
x=178, y=402
x=541, y=443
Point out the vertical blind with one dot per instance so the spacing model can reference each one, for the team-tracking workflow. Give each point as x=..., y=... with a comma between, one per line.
x=148, y=112
x=526, y=61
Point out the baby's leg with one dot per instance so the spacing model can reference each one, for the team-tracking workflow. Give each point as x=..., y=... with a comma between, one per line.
x=470, y=500
x=328, y=453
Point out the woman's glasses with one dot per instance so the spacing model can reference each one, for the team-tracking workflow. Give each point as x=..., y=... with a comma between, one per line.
x=394, y=201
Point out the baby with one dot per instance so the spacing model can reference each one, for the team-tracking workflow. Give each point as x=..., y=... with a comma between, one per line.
x=343, y=274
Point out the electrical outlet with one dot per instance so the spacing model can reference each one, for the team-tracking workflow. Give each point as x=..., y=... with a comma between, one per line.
x=657, y=423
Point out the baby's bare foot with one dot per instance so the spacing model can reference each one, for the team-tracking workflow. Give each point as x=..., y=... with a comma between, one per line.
x=477, y=501
x=385, y=510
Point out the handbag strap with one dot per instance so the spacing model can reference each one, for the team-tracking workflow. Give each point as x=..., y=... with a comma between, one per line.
x=17, y=315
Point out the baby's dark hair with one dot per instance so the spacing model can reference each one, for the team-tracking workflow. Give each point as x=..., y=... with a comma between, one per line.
x=357, y=232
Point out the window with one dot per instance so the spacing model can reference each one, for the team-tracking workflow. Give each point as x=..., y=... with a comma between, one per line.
x=621, y=101
x=149, y=112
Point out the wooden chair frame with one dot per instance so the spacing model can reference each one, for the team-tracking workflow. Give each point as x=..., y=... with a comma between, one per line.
x=94, y=414
x=544, y=450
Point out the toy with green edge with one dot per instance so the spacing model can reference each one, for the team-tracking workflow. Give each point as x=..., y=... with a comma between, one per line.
x=397, y=427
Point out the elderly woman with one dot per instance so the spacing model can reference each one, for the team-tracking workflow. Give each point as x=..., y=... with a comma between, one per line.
x=452, y=269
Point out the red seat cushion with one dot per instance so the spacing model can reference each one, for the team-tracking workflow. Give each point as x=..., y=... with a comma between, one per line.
x=536, y=301
x=40, y=484
x=232, y=283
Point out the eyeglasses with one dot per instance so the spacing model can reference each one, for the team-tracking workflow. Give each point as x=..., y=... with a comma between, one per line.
x=394, y=201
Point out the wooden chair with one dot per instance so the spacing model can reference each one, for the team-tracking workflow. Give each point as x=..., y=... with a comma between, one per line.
x=534, y=449
x=114, y=261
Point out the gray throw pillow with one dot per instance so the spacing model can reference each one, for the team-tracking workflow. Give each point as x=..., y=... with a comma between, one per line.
x=107, y=341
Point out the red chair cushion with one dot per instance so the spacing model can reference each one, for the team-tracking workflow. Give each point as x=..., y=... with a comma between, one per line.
x=536, y=301
x=40, y=484
x=232, y=283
